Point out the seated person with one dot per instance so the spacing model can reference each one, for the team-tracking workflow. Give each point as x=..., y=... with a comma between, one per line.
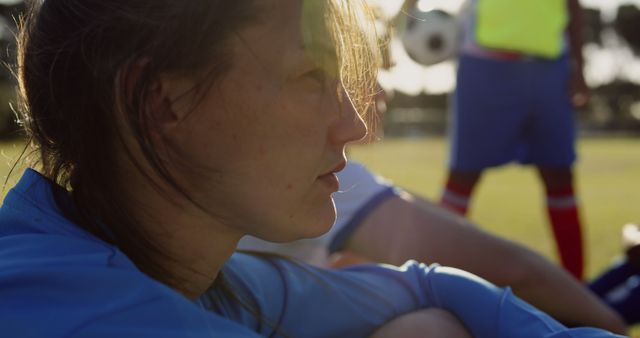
x=619, y=286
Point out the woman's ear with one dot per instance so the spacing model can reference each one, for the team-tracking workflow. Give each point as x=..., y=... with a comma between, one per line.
x=160, y=110
x=161, y=101
x=171, y=99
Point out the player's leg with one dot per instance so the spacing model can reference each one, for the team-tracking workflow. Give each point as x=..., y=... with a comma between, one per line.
x=458, y=190
x=423, y=324
x=619, y=286
x=562, y=209
x=627, y=303
x=551, y=142
x=486, y=119
x=620, y=272
x=616, y=276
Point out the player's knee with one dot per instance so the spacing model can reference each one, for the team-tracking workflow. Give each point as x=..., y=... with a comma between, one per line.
x=465, y=178
x=422, y=324
x=556, y=177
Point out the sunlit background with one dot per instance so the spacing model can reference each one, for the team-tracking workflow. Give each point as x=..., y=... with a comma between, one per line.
x=604, y=63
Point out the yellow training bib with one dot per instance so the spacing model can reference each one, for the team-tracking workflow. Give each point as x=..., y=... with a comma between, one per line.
x=533, y=27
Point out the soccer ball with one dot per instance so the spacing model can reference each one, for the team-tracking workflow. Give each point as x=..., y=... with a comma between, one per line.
x=431, y=37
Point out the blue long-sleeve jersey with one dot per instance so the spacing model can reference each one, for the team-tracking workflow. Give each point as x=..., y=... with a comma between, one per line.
x=57, y=280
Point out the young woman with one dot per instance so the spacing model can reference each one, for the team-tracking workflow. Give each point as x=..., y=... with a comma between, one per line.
x=165, y=131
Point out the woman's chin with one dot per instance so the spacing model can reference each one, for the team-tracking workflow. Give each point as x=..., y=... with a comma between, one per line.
x=323, y=222
x=320, y=228
x=316, y=224
x=303, y=228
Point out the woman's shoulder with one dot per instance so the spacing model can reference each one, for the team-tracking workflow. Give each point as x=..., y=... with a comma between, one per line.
x=56, y=280
x=53, y=285
x=34, y=234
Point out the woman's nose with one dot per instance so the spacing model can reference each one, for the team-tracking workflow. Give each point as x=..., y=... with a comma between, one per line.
x=349, y=126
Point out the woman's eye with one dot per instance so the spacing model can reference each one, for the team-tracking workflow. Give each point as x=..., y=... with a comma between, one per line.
x=317, y=75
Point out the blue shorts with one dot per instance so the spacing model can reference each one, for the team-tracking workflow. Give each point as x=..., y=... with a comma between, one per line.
x=506, y=111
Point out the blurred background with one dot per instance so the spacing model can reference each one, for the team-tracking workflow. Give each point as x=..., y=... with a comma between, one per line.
x=418, y=95
x=418, y=104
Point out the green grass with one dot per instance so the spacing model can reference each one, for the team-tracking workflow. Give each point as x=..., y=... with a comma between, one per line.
x=9, y=153
x=509, y=200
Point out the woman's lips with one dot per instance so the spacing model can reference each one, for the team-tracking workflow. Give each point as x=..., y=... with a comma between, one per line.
x=330, y=180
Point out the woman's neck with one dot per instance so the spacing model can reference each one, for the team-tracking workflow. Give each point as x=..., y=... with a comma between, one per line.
x=195, y=244
x=198, y=251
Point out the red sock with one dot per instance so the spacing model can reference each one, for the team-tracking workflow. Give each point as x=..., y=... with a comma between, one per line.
x=565, y=222
x=456, y=197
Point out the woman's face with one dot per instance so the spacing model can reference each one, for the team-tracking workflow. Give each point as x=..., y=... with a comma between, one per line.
x=263, y=144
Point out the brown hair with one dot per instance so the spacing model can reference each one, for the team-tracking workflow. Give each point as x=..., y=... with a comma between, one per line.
x=72, y=62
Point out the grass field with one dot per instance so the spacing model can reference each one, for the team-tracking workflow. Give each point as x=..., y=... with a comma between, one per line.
x=509, y=199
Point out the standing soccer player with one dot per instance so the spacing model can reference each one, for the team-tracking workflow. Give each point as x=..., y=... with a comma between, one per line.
x=519, y=79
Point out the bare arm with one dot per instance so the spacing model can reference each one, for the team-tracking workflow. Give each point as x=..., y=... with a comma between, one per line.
x=575, y=31
x=579, y=89
x=413, y=228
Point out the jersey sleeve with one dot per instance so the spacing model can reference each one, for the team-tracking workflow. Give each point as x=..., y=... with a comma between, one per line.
x=300, y=301
x=71, y=291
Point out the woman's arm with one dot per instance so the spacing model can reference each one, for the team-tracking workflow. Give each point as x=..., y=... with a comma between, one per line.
x=302, y=301
x=408, y=227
